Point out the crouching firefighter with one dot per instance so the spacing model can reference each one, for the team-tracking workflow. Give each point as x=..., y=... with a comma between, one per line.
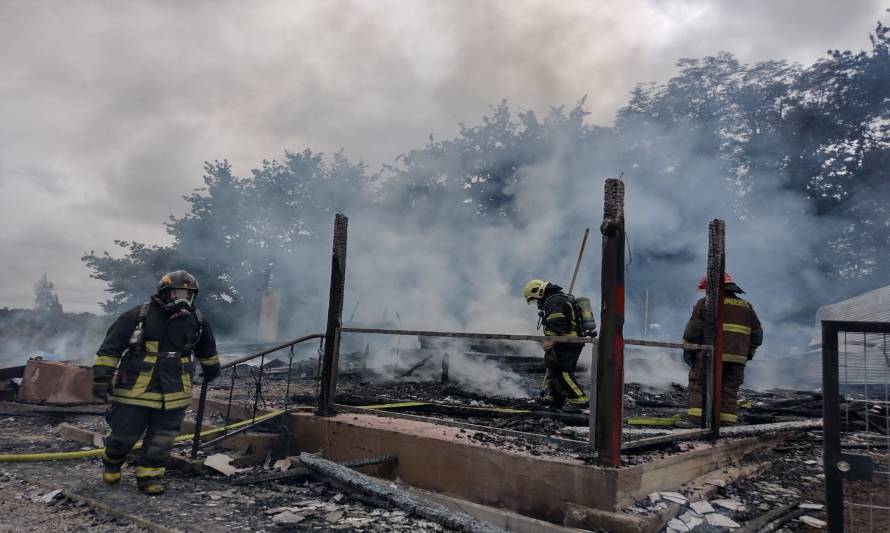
x=561, y=315
x=145, y=367
x=742, y=334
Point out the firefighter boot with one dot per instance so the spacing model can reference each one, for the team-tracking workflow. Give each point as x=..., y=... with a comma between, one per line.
x=111, y=474
x=151, y=487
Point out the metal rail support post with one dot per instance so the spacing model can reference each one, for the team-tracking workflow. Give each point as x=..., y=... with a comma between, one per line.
x=714, y=326
x=831, y=416
x=199, y=419
x=331, y=358
x=610, y=349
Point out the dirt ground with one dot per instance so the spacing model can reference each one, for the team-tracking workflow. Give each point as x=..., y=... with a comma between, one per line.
x=192, y=503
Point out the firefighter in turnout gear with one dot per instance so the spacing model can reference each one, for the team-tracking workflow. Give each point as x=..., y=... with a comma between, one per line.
x=742, y=334
x=558, y=318
x=144, y=368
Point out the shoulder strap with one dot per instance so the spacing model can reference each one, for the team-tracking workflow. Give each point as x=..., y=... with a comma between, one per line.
x=138, y=333
x=200, y=316
x=569, y=300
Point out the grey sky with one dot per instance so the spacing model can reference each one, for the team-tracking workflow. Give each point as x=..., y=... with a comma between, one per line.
x=109, y=108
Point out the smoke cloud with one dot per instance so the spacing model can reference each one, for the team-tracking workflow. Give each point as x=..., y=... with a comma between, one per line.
x=105, y=133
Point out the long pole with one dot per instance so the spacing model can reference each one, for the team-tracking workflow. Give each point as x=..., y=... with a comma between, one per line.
x=578, y=262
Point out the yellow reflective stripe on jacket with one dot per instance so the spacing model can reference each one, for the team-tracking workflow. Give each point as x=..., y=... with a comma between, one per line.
x=154, y=404
x=551, y=316
x=737, y=302
x=185, y=402
x=737, y=328
x=212, y=360
x=551, y=333
x=151, y=346
x=107, y=360
x=147, y=471
x=733, y=358
x=694, y=411
x=729, y=417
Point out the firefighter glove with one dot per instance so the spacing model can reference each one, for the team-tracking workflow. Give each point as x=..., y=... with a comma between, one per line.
x=211, y=373
x=751, y=353
x=101, y=390
x=689, y=357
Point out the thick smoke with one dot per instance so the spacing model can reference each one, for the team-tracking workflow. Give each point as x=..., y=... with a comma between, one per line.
x=434, y=263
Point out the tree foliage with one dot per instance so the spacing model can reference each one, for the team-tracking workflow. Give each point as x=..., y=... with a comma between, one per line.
x=236, y=231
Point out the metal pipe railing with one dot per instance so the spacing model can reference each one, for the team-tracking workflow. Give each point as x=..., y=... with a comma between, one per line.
x=500, y=336
x=199, y=416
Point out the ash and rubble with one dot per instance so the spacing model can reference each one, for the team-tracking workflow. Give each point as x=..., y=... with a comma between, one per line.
x=792, y=478
x=193, y=503
x=785, y=479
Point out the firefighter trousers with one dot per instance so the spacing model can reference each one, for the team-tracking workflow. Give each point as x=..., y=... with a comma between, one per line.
x=128, y=423
x=733, y=376
x=560, y=385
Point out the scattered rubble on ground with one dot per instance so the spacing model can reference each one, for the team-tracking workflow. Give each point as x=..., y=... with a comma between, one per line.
x=792, y=481
x=203, y=503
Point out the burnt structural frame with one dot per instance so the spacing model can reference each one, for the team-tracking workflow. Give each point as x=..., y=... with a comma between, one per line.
x=610, y=411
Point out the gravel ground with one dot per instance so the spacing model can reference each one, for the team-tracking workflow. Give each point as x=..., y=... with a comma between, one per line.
x=26, y=506
x=192, y=503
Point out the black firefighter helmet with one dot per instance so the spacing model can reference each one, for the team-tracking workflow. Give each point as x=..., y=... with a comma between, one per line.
x=178, y=279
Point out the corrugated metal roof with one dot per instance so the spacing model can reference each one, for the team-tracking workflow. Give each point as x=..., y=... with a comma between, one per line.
x=863, y=358
x=873, y=306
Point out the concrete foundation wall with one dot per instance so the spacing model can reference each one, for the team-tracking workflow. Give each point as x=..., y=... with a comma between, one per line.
x=446, y=460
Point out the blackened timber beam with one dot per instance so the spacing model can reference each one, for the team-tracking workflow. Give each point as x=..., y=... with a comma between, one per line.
x=714, y=324
x=390, y=494
x=610, y=366
x=330, y=362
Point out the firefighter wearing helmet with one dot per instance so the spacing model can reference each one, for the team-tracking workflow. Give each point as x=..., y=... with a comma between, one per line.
x=742, y=334
x=144, y=368
x=558, y=317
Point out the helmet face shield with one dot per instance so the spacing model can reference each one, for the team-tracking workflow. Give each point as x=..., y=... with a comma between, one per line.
x=176, y=295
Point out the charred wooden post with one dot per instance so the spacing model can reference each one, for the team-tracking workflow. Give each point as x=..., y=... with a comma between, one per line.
x=714, y=326
x=610, y=366
x=331, y=358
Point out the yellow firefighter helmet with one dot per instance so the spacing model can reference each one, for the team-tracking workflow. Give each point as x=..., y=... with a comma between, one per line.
x=534, y=290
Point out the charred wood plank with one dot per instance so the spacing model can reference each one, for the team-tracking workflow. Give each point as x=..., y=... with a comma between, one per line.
x=401, y=498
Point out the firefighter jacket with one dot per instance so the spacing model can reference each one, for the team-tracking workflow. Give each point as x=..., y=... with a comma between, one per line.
x=558, y=319
x=742, y=332
x=157, y=373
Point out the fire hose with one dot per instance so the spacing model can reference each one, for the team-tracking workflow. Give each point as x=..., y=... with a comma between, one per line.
x=97, y=452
